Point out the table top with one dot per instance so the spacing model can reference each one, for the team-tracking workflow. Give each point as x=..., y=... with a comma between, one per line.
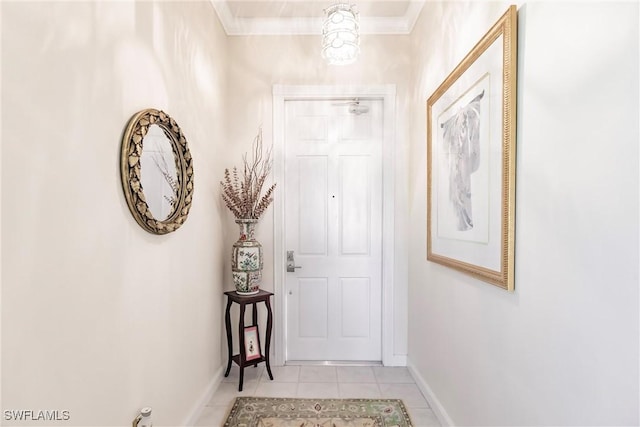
x=260, y=296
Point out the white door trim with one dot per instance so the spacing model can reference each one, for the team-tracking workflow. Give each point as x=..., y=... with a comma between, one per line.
x=281, y=94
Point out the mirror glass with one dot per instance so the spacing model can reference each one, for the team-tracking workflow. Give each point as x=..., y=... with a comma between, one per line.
x=158, y=173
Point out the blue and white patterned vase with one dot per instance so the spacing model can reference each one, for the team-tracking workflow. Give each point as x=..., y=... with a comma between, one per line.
x=246, y=259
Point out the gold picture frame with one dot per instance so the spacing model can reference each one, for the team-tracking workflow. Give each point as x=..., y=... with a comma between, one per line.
x=471, y=154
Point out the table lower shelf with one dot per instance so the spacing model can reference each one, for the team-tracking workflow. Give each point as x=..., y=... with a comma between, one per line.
x=253, y=362
x=236, y=359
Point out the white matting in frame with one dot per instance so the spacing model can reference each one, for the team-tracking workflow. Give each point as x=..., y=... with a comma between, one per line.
x=251, y=343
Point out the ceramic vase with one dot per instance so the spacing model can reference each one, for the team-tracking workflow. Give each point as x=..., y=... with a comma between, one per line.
x=246, y=259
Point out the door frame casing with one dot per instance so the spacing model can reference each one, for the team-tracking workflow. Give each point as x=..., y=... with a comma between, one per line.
x=387, y=93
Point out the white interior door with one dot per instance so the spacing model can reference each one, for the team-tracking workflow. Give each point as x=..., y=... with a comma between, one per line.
x=333, y=225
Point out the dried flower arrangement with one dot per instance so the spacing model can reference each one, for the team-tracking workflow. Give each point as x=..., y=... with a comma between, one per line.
x=243, y=196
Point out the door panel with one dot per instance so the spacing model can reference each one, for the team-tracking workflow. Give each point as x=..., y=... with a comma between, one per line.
x=311, y=193
x=333, y=223
x=313, y=302
x=355, y=215
x=355, y=314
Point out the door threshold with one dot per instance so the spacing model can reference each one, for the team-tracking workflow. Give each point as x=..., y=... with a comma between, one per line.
x=333, y=363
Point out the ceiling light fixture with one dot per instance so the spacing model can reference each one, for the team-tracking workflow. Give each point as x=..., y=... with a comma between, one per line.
x=340, y=34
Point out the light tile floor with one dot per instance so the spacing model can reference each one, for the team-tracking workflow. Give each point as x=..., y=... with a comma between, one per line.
x=320, y=382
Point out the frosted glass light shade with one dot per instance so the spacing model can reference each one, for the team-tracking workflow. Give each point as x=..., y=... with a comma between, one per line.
x=340, y=34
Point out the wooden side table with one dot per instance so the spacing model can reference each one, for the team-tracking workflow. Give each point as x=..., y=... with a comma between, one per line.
x=241, y=359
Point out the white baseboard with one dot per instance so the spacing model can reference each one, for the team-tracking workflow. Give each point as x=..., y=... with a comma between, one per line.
x=433, y=401
x=196, y=410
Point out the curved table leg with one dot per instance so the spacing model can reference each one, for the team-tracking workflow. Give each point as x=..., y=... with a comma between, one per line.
x=255, y=322
x=268, y=343
x=227, y=323
x=243, y=354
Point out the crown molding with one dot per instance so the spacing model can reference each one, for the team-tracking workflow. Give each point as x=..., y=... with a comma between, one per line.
x=235, y=26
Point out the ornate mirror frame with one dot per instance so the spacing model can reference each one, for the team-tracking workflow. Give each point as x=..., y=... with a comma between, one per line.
x=130, y=170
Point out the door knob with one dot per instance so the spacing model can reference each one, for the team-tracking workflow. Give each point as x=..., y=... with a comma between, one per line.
x=291, y=267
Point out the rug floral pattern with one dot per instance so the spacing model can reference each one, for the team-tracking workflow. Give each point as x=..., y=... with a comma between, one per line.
x=286, y=412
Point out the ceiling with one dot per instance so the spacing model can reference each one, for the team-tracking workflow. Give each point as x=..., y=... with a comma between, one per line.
x=267, y=17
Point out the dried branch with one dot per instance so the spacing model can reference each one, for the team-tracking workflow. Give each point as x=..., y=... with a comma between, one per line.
x=243, y=196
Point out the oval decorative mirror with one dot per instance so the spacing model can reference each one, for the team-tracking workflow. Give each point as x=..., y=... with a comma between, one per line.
x=157, y=171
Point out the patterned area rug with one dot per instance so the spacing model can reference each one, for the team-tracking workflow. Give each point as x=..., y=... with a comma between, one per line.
x=284, y=412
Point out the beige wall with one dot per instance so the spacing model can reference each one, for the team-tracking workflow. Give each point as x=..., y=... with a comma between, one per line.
x=257, y=63
x=563, y=348
x=99, y=317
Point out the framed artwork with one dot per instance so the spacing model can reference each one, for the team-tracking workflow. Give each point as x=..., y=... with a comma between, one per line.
x=471, y=131
x=251, y=343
